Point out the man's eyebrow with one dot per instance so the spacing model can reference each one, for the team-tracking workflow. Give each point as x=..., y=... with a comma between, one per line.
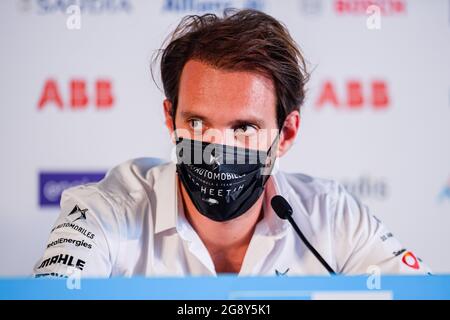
x=189, y=114
x=241, y=122
x=235, y=123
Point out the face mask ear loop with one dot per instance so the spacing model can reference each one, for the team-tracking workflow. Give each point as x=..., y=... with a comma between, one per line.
x=269, y=152
x=277, y=138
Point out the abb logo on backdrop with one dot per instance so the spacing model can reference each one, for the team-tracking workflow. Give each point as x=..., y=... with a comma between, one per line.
x=356, y=95
x=81, y=94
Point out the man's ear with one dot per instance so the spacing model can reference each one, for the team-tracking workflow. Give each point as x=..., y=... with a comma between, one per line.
x=168, y=115
x=289, y=132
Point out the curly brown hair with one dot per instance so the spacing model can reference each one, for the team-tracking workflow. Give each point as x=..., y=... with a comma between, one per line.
x=241, y=40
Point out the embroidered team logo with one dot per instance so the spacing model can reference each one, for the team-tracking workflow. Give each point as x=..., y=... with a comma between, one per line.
x=76, y=210
x=215, y=160
x=410, y=260
x=279, y=273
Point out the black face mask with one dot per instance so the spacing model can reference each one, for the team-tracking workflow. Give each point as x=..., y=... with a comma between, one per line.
x=223, y=181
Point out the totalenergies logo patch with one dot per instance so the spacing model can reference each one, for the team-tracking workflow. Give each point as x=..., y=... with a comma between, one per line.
x=410, y=260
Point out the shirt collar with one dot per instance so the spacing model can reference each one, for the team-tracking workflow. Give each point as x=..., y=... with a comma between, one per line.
x=165, y=188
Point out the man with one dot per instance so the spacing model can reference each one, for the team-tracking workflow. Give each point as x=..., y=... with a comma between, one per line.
x=233, y=87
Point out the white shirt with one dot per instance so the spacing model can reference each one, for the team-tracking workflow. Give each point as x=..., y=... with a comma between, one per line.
x=132, y=223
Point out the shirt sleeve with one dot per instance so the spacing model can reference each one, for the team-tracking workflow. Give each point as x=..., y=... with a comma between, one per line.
x=85, y=238
x=364, y=245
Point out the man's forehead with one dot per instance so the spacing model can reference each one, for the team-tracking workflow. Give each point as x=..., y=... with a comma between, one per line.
x=205, y=90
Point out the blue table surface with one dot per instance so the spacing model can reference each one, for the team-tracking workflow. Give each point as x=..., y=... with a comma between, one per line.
x=230, y=287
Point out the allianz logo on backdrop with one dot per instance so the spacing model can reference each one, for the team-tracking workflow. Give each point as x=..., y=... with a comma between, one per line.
x=216, y=6
x=86, y=6
x=53, y=183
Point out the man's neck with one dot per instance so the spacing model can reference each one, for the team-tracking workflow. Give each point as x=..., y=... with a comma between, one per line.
x=227, y=241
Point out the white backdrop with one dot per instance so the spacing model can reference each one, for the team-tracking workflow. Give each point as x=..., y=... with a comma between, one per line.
x=377, y=115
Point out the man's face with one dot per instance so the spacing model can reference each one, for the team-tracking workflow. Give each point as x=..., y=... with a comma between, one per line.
x=226, y=107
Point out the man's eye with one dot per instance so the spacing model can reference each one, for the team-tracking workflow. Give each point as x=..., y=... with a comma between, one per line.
x=196, y=124
x=245, y=130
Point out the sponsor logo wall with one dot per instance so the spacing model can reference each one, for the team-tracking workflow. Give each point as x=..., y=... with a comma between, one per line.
x=77, y=99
